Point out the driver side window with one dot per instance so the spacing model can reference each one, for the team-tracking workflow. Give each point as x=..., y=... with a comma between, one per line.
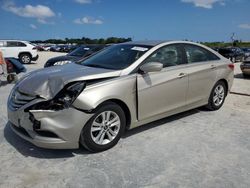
x=168, y=55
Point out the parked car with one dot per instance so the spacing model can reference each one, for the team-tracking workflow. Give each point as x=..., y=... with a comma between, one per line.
x=245, y=67
x=22, y=50
x=232, y=53
x=39, y=48
x=94, y=101
x=67, y=48
x=47, y=47
x=55, y=48
x=246, y=52
x=82, y=51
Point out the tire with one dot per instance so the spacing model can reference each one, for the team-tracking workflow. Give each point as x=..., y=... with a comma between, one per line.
x=10, y=78
x=220, y=91
x=25, y=58
x=96, y=135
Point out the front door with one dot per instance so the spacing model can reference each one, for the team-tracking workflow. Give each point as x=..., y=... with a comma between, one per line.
x=163, y=91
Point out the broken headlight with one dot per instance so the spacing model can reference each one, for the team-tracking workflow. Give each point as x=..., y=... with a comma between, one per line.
x=63, y=99
x=68, y=95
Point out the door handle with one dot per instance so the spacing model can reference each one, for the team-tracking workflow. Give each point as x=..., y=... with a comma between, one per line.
x=213, y=67
x=181, y=75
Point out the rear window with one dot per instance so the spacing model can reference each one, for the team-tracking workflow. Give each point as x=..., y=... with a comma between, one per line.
x=198, y=54
x=15, y=44
x=21, y=44
x=11, y=44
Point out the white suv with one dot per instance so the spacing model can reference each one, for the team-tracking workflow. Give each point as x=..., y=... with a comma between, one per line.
x=22, y=50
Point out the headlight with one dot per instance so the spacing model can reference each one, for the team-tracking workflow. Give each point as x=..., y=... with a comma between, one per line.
x=63, y=99
x=62, y=62
x=68, y=95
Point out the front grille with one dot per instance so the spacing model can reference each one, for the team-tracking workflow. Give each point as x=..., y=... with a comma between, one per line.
x=19, y=99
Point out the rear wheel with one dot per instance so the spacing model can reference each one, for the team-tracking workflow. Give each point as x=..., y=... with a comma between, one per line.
x=217, y=96
x=25, y=58
x=104, y=129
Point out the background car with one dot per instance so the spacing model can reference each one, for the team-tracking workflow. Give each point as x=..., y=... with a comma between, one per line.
x=246, y=52
x=232, y=53
x=22, y=50
x=67, y=48
x=54, y=48
x=245, y=67
x=92, y=102
x=82, y=51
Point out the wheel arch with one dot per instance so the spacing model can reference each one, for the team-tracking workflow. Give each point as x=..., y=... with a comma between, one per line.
x=21, y=53
x=226, y=84
x=124, y=107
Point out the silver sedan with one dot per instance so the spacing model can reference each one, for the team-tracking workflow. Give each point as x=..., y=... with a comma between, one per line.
x=92, y=102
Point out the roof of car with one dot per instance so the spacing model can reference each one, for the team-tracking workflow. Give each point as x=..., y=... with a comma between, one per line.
x=13, y=40
x=147, y=42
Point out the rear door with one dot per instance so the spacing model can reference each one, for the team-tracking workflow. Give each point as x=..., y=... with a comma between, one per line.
x=163, y=91
x=12, y=49
x=202, y=70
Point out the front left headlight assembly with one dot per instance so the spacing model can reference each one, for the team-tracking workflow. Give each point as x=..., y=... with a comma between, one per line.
x=63, y=99
x=68, y=95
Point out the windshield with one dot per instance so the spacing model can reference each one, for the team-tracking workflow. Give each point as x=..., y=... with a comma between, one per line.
x=116, y=57
x=80, y=51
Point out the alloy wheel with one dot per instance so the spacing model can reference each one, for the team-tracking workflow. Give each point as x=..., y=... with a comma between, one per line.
x=25, y=59
x=218, y=95
x=105, y=127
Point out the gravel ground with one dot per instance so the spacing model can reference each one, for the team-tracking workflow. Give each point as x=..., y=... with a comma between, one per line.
x=197, y=148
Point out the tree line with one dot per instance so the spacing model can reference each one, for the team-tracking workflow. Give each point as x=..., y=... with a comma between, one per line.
x=84, y=40
x=226, y=44
x=114, y=40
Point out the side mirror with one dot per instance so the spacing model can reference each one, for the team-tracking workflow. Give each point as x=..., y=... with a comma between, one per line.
x=151, y=67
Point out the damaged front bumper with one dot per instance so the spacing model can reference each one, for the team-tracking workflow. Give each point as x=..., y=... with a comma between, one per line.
x=47, y=128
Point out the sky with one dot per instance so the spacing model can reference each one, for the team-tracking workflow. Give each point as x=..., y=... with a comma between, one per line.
x=197, y=20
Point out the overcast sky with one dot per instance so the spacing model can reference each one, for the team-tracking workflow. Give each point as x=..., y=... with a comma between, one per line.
x=198, y=20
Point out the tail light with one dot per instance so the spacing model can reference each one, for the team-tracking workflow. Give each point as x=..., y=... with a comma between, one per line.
x=231, y=66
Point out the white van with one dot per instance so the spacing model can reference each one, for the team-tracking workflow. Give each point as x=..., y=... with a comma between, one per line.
x=22, y=50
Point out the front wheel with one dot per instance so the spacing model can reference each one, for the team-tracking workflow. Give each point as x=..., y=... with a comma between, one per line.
x=104, y=129
x=25, y=58
x=217, y=96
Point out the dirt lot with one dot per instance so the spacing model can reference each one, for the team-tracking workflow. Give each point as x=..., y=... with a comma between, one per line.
x=197, y=148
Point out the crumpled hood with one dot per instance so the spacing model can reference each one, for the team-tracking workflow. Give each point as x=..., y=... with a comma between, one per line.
x=46, y=83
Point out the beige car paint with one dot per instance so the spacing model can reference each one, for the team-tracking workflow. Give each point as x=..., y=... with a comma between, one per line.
x=148, y=97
